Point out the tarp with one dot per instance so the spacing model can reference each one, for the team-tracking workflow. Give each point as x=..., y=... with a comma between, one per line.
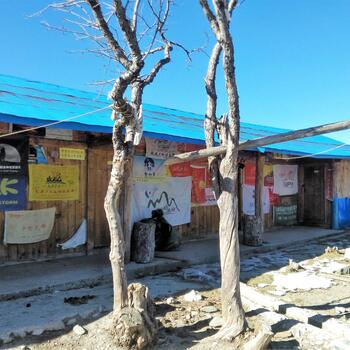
x=28, y=102
x=341, y=213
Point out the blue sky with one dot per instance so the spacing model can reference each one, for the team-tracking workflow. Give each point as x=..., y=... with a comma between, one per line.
x=292, y=59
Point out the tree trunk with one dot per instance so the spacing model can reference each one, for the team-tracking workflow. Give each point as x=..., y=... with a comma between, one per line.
x=143, y=242
x=232, y=310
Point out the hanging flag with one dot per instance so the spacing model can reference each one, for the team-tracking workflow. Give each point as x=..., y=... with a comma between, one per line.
x=285, y=178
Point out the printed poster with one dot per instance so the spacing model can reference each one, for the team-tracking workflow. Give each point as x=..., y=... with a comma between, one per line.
x=13, y=156
x=148, y=169
x=285, y=179
x=173, y=196
x=53, y=182
x=249, y=200
x=202, y=191
x=28, y=226
x=160, y=149
x=13, y=192
x=72, y=153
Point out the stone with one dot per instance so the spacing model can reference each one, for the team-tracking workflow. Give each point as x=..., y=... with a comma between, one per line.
x=216, y=322
x=340, y=310
x=262, y=285
x=25, y=347
x=209, y=309
x=79, y=330
x=193, y=295
x=170, y=300
x=347, y=253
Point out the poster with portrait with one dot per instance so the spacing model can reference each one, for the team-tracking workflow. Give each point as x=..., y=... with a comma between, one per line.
x=13, y=155
x=148, y=169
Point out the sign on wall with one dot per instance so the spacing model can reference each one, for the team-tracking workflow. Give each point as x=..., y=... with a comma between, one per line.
x=173, y=196
x=160, y=149
x=28, y=226
x=72, y=153
x=285, y=178
x=13, y=192
x=285, y=215
x=13, y=156
x=53, y=182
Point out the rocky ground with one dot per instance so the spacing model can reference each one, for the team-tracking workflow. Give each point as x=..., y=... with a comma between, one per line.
x=313, y=289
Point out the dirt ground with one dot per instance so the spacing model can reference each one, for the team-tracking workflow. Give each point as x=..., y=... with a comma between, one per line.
x=317, y=286
x=182, y=325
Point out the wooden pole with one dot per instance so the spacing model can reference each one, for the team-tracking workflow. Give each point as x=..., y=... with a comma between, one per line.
x=263, y=141
x=259, y=188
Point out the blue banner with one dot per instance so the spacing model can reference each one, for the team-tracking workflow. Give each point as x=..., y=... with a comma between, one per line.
x=13, y=192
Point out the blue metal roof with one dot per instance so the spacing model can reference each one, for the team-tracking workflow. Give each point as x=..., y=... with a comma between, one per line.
x=29, y=102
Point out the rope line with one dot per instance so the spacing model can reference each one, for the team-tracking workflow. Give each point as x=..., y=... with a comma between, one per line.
x=314, y=154
x=56, y=122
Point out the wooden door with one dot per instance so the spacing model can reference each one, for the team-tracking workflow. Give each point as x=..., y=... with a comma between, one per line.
x=314, y=195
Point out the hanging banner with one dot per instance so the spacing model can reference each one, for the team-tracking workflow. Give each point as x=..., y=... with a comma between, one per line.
x=72, y=153
x=13, y=192
x=285, y=179
x=173, y=196
x=28, y=226
x=329, y=184
x=249, y=200
x=13, y=156
x=160, y=149
x=286, y=215
x=148, y=169
x=53, y=182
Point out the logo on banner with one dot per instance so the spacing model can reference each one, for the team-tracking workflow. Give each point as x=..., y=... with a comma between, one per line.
x=168, y=205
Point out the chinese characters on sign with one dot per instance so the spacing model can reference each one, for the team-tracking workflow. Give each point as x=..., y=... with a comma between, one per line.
x=53, y=182
x=28, y=226
x=72, y=153
x=285, y=216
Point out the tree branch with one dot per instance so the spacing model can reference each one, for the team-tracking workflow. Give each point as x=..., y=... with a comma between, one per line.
x=103, y=26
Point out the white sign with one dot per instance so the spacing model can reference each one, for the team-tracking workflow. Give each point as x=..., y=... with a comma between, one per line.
x=249, y=200
x=160, y=149
x=285, y=179
x=173, y=196
x=28, y=226
x=146, y=168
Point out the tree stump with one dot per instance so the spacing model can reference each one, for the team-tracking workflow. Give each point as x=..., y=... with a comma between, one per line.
x=143, y=242
x=135, y=326
x=252, y=230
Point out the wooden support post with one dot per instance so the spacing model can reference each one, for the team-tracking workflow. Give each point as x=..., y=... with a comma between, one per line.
x=259, y=188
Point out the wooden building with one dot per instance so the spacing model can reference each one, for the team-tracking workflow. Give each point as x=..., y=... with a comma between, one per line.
x=71, y=136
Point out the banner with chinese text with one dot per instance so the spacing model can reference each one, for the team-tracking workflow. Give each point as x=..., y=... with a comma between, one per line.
x=53, y=182
x=28, y=226
x=13, y=156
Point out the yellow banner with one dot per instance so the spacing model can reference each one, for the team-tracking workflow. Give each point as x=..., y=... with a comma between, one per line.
x=53, y=182
x=72, y=153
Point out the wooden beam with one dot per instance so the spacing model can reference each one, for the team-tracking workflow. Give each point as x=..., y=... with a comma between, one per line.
x=263, y=141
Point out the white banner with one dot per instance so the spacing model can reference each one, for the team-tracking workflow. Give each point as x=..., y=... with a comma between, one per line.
x=285, y=179
x=28, y=226
x=146, y=168
x=79, y=237
x=161, y=149
x=249, y=200
x=173, y=196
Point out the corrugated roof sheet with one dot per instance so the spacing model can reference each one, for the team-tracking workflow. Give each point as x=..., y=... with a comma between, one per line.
x=28, y=102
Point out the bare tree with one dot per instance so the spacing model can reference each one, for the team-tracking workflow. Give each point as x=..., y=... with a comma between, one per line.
x=224, y=170
x=128, y=33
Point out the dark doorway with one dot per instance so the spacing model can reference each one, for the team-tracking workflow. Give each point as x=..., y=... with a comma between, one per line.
x=314, y=195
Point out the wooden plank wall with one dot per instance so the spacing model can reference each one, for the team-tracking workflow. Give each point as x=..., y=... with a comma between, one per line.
x=69, y=214
x=341, y=178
